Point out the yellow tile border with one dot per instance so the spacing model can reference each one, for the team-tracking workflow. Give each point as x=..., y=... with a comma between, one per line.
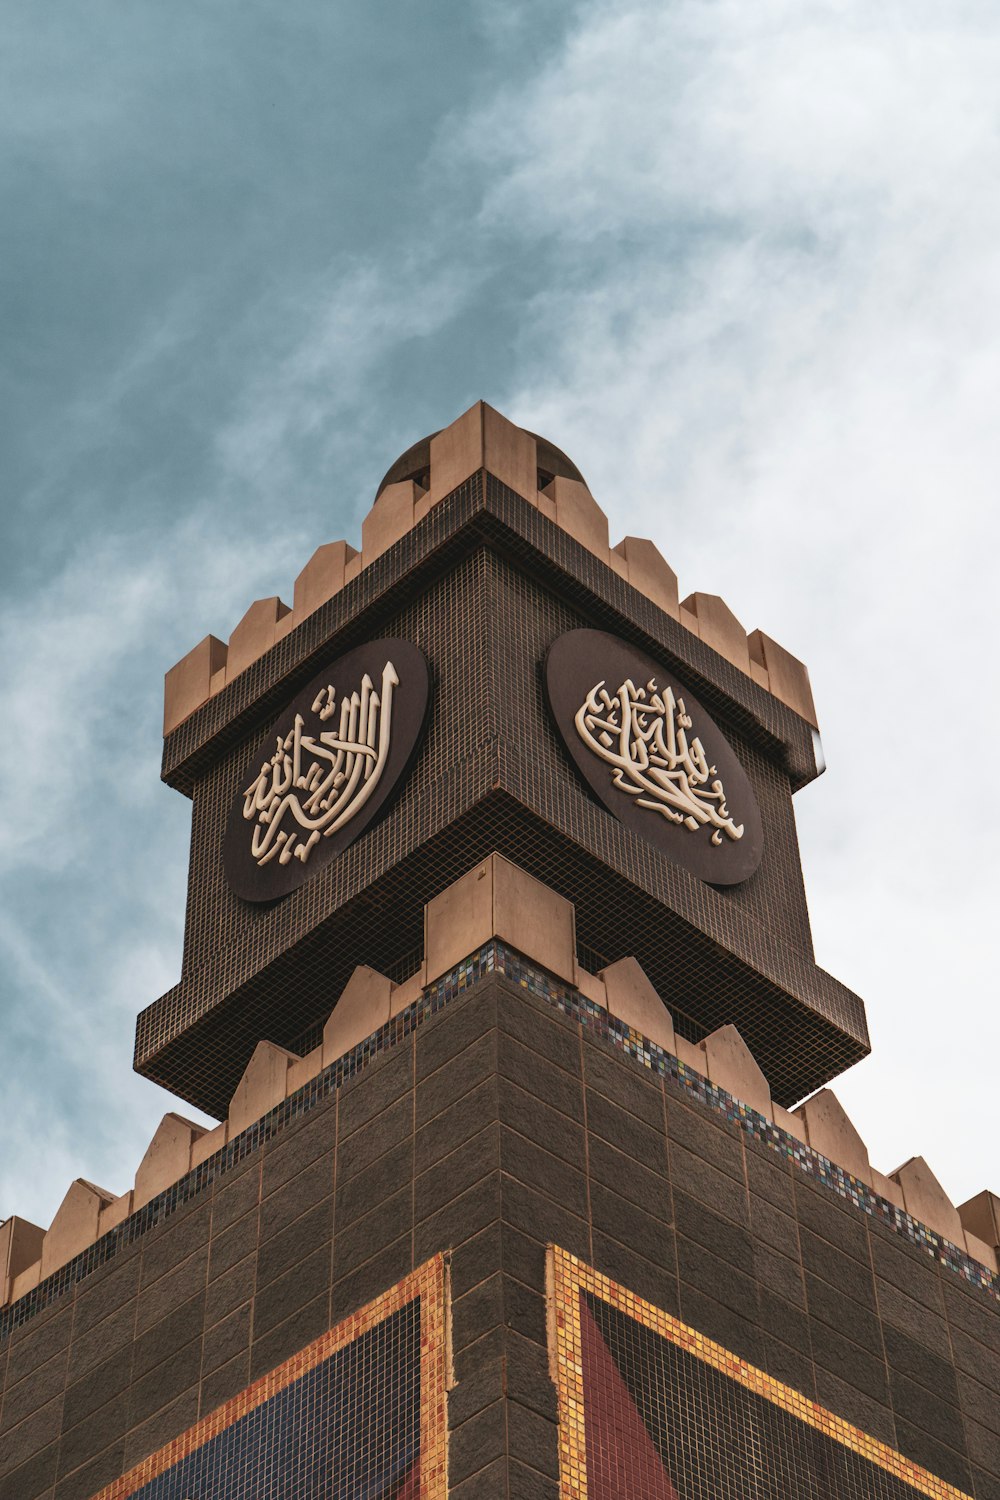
x=567, y=1276
x=429, y=1283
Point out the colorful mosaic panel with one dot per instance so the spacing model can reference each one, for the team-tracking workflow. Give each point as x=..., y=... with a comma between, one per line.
x=360, y=1414
x=653, y=1410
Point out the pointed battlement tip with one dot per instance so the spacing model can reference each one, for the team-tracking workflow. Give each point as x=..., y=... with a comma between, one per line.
x=427, y=473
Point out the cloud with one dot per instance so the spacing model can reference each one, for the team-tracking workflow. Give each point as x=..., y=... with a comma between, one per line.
x=332, y=338
x=93, y=848
x=770, y=335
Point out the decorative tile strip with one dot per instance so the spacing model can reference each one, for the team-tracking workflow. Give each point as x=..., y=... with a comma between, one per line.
x=496, y=958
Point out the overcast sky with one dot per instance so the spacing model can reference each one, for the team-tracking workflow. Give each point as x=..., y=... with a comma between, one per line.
x=738, y=260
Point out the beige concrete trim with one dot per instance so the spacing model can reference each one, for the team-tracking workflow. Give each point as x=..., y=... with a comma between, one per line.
x=981, y=1216
x=731, y=1064
x=591, y=986
x=116, y=1213
x=925, y=1199
x=207, y=1144
x=299, y=1073
x=979, y=1250
x=254, y=634
x=509, y=453
x=188, y=684
x=456, y=452
x=788, y=678
x=26, y=1281
x=719, y=628
x=481, y=438
x=759, y=675
x=886, y=1188
x=688, y=619
x=632, y=998
x=167, y=1157
x=547, y=506
x=406, y=993
x=75, y=1226
x=578, y=513
x=20, y=1247
x=498, y=899
x=390, y=518
x=362, y=1008
x=649, y=572
x=262, y=1086
x=786, y=1120
x=830, y=1132
x=321, y=578
x=691, y=1055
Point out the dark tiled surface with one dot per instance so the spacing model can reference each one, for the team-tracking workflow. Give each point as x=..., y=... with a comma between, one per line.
x=483, y=586
x=463, y=1145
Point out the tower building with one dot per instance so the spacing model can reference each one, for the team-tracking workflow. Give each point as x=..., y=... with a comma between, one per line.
x=498, y=978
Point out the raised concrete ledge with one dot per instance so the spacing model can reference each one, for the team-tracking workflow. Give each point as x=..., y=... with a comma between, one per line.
x=981, y=1217
x=321, y=578
x=926, y=1200
x=20, y=1247
x=75, y=1226
x=829, y=1131
x=167, y=1158
x=628, y=994
x=264, y=1082
x=495, y=899
x=363, y=1007
x=481, y=438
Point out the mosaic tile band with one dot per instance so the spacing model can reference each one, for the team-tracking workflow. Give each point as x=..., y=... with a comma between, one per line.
x=379, y=1441
x=496, y=958
x=624, y=1458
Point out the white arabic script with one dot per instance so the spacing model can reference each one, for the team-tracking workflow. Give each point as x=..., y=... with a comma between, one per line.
x=314, y=784
x=642, y=733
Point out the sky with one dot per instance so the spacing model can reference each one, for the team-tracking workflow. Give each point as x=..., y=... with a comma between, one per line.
x=739, y=261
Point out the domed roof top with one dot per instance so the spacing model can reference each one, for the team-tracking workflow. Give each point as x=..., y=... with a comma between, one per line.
x=415, y=464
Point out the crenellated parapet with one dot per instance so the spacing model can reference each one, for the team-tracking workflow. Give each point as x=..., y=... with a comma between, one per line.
x=482, y=439
x=498, y=903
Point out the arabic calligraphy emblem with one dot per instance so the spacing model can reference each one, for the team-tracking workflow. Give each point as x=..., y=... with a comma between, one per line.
x=653, y=755
x=315, y=783
x=642, y=734
x=327, y=766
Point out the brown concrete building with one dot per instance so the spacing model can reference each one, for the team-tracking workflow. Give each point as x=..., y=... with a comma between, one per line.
x=498, y=977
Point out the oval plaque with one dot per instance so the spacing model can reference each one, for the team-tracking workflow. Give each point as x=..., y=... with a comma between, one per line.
x=654, y=757
x=326, y=768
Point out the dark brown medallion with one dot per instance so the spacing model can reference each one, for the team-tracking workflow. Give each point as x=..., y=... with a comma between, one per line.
x=326, y=768
x=654, y=757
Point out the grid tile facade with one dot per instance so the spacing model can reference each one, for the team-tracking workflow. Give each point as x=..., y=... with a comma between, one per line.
x=492, y=775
